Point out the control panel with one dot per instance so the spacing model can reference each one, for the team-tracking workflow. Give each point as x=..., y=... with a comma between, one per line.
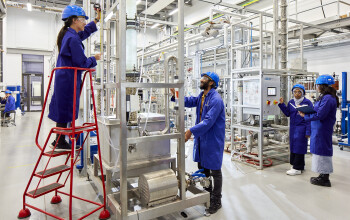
x=270, y=95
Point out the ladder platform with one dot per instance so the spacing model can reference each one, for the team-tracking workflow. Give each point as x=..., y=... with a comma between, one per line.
x=56, y=153
x=78, y=130
x=45, y=189
x=52, y=171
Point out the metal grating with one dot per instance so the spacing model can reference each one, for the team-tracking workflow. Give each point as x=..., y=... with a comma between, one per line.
x=45, y=189
x=53, y=170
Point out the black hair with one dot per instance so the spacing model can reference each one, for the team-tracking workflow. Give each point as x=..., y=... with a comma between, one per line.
x=326, y=89
x=67, y=24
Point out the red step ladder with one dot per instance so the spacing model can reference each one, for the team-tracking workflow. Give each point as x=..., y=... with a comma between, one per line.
x=71, y=159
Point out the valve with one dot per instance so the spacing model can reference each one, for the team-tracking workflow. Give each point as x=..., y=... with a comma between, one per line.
x=198, y=177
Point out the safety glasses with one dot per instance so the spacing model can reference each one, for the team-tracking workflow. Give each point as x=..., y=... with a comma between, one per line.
x=205, y=78
x=82, y=19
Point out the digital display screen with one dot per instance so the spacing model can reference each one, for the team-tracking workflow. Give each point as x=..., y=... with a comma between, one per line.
x=271, y=91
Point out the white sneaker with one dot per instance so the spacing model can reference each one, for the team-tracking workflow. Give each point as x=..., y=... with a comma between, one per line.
x=293, y=172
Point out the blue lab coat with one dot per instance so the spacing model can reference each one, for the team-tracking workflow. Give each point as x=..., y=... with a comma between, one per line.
x=9, y=104
x=322, y=124
x=71, y=55
x=299, y=128
x=209, y=133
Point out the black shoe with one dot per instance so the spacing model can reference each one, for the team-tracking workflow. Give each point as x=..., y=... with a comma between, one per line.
x=215, y=205
x=64, y=146
x=321, y=180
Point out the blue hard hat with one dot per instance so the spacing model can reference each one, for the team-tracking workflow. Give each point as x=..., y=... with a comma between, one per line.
x=213, y=76
x=298, y=86
x=71, y=10
x=8, y=92
x=325, y=79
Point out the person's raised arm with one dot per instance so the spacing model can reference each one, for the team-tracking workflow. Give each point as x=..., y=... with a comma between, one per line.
x=284, y=108
x=189, y=101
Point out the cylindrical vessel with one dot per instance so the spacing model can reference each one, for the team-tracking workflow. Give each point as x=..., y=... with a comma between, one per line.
x=131, y=36
x=157, y=187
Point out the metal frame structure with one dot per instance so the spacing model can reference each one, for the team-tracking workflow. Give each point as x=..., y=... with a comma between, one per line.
x=121, y=209
x=117, y=201
x=257, y=73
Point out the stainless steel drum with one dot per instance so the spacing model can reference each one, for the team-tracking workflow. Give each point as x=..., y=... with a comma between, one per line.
x=158, y=187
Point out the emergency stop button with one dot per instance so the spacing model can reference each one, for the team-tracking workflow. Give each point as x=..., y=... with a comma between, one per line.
x=268, y=102
x=275, y=102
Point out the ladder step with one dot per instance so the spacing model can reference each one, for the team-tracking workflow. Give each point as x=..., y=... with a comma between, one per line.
x=52, y=171
x=45, y=189
x=79, y=129
x=56, y=153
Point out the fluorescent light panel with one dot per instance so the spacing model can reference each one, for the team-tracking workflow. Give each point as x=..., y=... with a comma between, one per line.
x=138, y=2
x=157, y=6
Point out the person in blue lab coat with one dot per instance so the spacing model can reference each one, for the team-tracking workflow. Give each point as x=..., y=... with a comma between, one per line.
x=322, y=123
x=71, y=54
x=299, y=130
x=209, y=134
x=9, y=102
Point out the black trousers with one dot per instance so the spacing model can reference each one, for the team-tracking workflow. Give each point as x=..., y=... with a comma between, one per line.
x=5, y=114
x=217, y=176
x=297, y=160
x=62, y=138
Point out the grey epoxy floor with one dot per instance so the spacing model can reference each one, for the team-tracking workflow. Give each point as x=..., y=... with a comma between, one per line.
x=247, y=193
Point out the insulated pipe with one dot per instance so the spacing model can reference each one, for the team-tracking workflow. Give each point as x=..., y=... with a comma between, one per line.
x=172, y=46
x=131, y=34
x=212, y=10
x=278, y=142
x=270, y=15
x=284, y=54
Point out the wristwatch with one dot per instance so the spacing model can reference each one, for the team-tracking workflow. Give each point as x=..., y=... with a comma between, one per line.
x=97, y=20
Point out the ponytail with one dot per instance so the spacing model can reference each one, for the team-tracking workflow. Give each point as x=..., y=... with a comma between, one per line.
x=325, y=89
x=63, y=31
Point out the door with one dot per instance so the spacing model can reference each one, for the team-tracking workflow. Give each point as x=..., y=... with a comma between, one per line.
x=32, y=82
x=33, y=92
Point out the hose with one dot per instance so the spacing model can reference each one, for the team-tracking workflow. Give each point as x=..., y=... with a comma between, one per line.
x=149, y=106
x=256, y=162
x=143, y=42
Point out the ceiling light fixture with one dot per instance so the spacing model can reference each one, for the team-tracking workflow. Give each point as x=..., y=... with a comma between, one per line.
x=174, y=11
x=138, y=2
x=29, y=6
x=155, y=25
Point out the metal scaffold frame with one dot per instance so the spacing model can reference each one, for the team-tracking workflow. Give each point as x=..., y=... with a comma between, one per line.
x=265, y=38
x=188, y=196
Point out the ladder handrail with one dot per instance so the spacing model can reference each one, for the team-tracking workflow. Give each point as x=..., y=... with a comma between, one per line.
x=47, y=94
